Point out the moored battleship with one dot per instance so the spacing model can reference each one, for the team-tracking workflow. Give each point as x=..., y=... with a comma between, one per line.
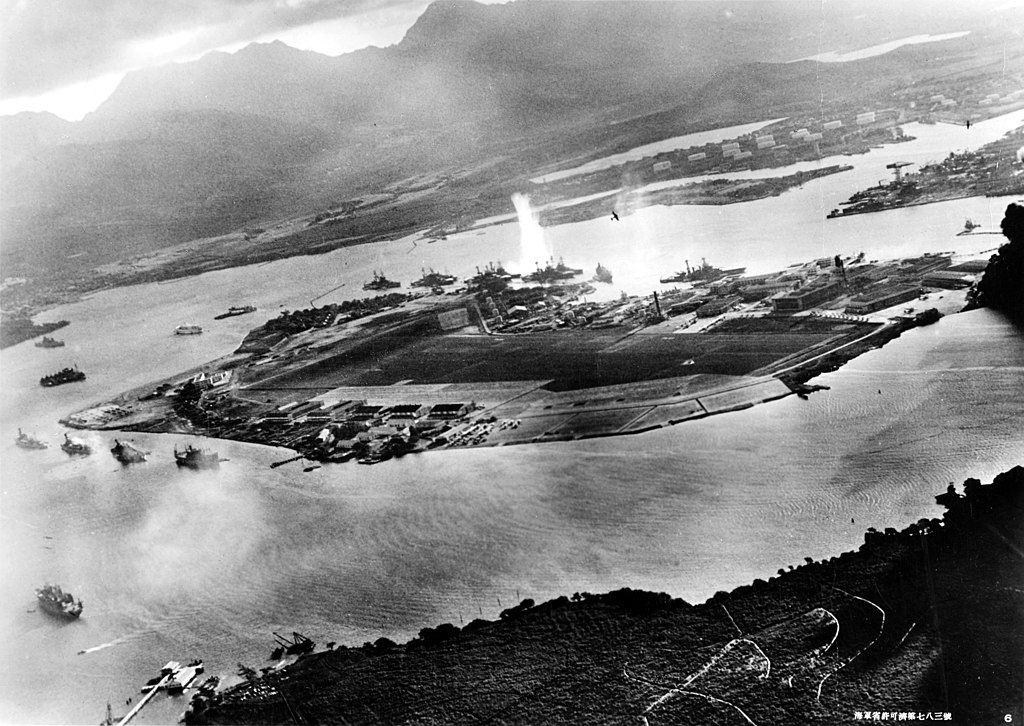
x=75, y=447
x=379, y=282
x=127, y=454
x=195, y=458
x=65, y=375
x=29, y=442
x=235, y=310
x=53, y=600
x=703, y=274
x=552, y=272
x=48, y=342
x=434, y=279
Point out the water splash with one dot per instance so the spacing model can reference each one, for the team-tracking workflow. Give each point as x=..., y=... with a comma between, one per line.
x=533, y=247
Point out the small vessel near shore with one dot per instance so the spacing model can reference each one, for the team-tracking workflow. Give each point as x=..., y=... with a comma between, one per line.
x=188, y=330
x=29, y=442
x=54, y=601
x=195, y=458
x=235, y=310
x=603, y=274
x=969, y=226
x=127, y=454
x=48, y=342
x=65, y=375
x=379, y=282
x=75, y=447
x=296, y=645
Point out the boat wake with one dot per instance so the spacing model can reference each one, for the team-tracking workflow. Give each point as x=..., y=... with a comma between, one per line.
x=103, y=646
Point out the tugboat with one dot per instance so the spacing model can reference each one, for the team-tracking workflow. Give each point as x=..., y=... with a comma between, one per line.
x=53, y=600
x=434, y=279
x=67, y=375
x=379, y=282
x=603, y=274
x=195, y=458
x=188, y=330
x=29, y=442
x=127, y=454
x=74, y=447
x=48, y=342
x=233, y=311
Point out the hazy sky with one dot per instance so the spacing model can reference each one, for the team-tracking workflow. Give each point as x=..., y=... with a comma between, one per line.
x=66, y=56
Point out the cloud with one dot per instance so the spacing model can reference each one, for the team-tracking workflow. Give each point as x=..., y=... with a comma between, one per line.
x=48, y=44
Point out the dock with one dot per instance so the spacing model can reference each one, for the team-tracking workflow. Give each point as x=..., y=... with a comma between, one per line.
x=145, y=699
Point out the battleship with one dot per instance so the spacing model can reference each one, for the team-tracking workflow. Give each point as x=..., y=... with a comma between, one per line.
x=603, y=274
x=553, y=272
x=434, y=279
x=235, y=310
x=53, y=600
x=194, y=458
x=703, y=274
x=75, y=447
x=48, y=342
x=67, y=375
x=127, y=454
x=29, y=442
x=188, y=330
x=379, y=282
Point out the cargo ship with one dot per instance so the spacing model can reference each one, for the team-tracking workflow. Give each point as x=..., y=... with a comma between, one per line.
x=127, y=454
x=194, y=458
x=552, y=272
x=434, y=279
x=48, y=342
x=67, y=375
x=75, y=447
x=29, y=442
x=603, y=274
x=379, y=282
x=188, y=330
x=53, y=600
x=235, y=310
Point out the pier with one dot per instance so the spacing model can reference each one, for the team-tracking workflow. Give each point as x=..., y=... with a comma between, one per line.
x=145, y=699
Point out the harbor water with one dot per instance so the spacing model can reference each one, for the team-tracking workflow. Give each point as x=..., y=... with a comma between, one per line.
x=176, y=564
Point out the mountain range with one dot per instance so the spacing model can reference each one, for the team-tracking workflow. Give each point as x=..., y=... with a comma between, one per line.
x=195, y=149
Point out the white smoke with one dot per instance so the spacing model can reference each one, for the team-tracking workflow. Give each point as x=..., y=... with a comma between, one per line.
x=533, y=248
x=1020, y=155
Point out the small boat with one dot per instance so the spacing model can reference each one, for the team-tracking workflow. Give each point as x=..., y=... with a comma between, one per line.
x=969, y=226
x=235, y=310
x=195, y=458
x=53, y=600
x=75, y=447
x=29, y=442
x=188, y=330
x=48, y=342
x=127, y=454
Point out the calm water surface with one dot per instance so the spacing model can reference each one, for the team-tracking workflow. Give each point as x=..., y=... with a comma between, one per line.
x=176, y=564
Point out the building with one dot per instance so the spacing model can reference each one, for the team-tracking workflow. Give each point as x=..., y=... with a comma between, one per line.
x=716, y=307
x=922, y=265
x=948, y=279
x=885, y=297
x=407, y=412
x=761, y=290
x=366, y=412
x=697, y=157
x=807, y=297
x=662, y=166
x=447, y=411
